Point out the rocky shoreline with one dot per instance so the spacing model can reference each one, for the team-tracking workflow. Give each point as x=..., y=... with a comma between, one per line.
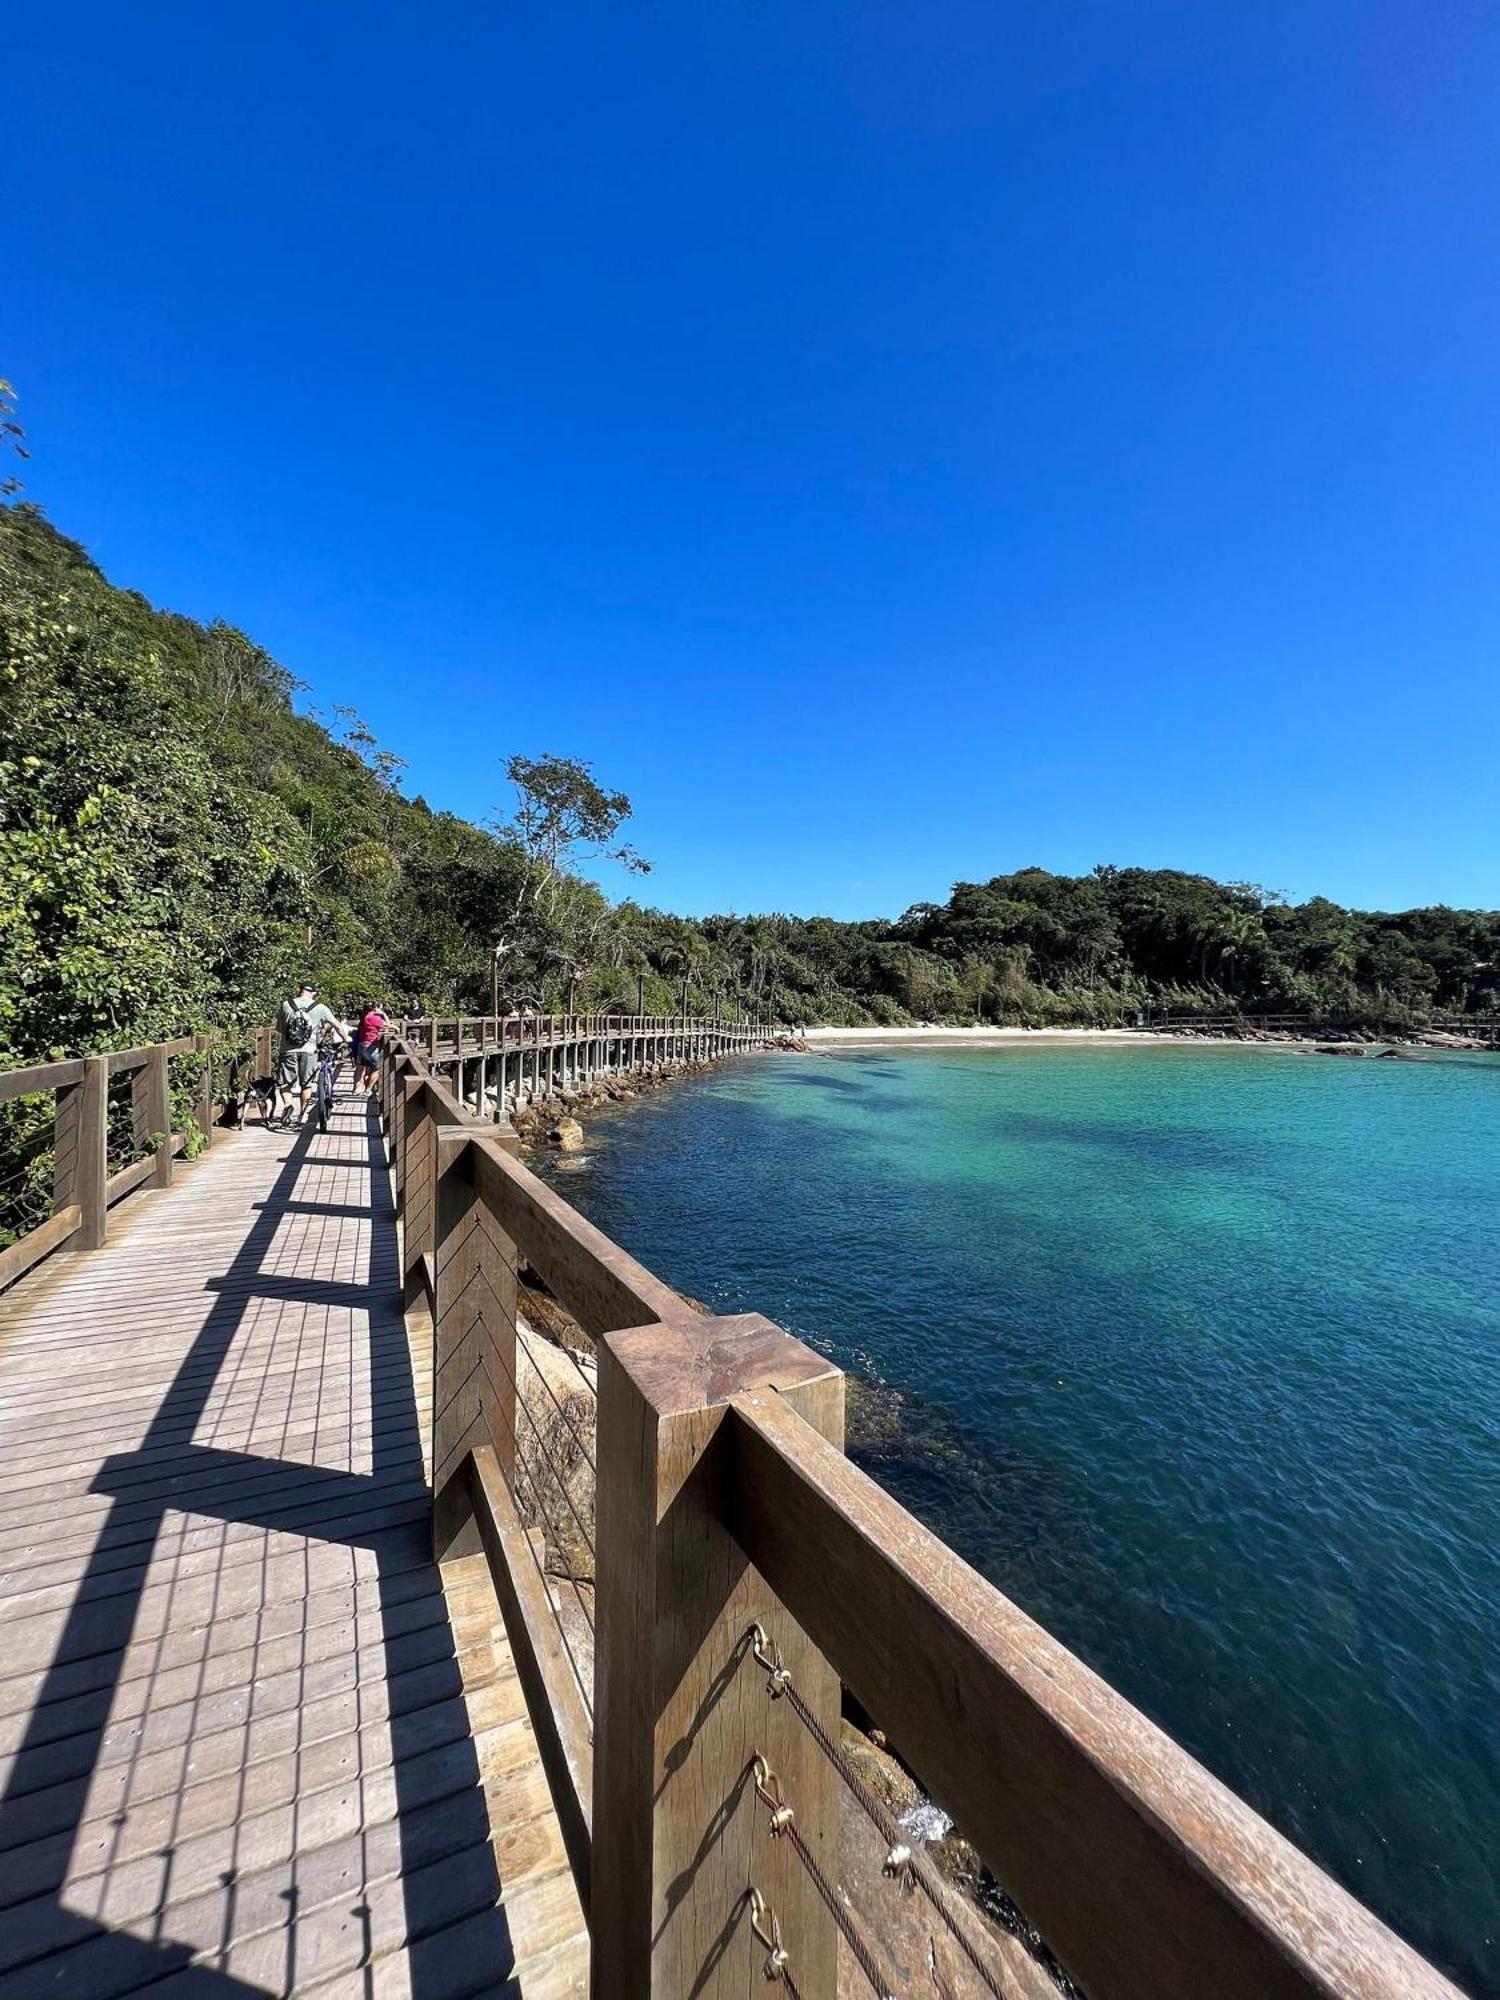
x=1351, y=1042
x=556, y=1120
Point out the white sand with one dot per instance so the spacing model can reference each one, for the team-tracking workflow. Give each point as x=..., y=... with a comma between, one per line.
x=970, y=1036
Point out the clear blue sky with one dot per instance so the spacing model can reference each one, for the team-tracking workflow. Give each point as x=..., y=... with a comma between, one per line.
x=896, y=442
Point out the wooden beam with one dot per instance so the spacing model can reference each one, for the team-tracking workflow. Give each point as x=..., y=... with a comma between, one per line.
x=603, y=1287
x=681, y=1707
x=418, y=1187
x=128, y=1179
x=157, y=1081
x=564, y=1734
x=38, y=1243
x=473, y=1342
x=1144, y=1874
x=122, y=1060
x=81, y=1151
x=204, y=1110
x=37, y=1077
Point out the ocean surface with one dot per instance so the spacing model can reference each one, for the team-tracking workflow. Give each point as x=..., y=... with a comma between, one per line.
x=1193, y=1352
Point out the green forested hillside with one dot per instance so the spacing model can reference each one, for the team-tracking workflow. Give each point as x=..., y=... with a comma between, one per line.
x=1038, y=947
x=178, y=842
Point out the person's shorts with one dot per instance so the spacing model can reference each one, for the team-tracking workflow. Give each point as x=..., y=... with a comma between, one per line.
x=297, y=1068
x=369, y=1055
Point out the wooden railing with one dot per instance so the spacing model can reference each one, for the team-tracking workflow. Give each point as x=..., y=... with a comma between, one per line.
x=83, y=1188
x=1172, y=1020
x=724, y=1504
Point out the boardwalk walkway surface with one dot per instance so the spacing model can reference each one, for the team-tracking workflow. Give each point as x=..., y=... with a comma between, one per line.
x=252, y=1740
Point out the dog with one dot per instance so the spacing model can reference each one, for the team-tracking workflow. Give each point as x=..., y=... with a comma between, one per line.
x=260, y=1091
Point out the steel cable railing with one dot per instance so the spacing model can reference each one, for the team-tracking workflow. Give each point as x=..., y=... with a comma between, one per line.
x=585, y=1451
x=904, y=1865
x=782, y=1820
x=31, y=1164
x=560, y=1480
x=529, y=1496
x=583, y=1676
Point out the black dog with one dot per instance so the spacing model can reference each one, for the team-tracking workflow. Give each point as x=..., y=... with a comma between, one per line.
x=260, y=1091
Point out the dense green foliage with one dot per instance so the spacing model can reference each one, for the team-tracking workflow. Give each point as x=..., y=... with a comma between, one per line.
x=1036, y=947
x=177, y=843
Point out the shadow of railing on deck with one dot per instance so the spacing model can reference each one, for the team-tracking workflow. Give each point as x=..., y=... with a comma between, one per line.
x=254, y=1922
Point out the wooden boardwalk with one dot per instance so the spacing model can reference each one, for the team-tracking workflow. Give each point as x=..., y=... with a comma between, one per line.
x=252, y=1740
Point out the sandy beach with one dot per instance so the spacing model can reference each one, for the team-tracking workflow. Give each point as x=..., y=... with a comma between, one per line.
x=969, y=1036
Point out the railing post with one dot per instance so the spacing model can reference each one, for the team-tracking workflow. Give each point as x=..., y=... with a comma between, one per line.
x=682, y=1708
x=393, y=1073
x=204, y=1044
x=418, y=1190
x=473, y=1344
x=151, y=1113
x=159, y=1098
x=81, y=1152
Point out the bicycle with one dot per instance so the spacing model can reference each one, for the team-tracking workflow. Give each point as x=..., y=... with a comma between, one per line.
x=329, y=1063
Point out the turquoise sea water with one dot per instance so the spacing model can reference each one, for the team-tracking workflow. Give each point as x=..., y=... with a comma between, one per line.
x=1195, y=1353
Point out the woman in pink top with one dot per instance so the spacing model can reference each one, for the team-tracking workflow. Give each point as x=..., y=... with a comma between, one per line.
x=369, y=1035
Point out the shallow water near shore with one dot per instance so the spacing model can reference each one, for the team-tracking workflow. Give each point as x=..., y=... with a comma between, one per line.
x=1195, y=1352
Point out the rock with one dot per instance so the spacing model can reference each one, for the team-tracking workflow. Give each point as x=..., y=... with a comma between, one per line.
x=554, y=1436
x=891, y=1783
x=1340, y=1049
x=566, y=1135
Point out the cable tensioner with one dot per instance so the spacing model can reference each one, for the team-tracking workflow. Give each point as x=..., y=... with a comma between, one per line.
x=767, y=1927
x=768, y=1789
x=767, y=1655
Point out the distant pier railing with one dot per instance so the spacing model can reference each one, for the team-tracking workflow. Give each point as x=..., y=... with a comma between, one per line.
x=501, y=1060
x=745, y=1575
x=1483, y=1028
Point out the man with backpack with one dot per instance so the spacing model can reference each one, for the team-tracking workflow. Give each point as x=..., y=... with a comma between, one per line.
x=303, y=1017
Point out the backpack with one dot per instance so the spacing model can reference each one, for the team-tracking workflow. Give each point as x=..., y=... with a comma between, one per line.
x=297, y=1029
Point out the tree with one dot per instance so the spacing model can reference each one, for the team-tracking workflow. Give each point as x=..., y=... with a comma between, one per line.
x=563, y=819
x=11, y=439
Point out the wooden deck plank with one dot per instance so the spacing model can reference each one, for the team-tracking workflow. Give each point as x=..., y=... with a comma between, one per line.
x=252, y=1740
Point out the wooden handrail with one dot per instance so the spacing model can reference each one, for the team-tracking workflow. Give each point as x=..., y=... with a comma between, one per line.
x=1144, y=1873
x=36, y=1077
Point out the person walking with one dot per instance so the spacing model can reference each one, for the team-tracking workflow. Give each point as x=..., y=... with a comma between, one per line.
x=302, y=1018
x=369, y=1037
